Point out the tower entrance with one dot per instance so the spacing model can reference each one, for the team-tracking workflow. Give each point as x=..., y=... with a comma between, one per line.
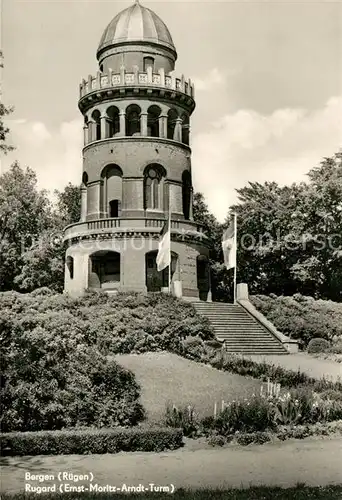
x=156, y=280
x=104, y=270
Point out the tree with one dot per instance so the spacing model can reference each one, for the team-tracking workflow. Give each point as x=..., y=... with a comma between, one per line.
x=43, y=263
x=4, y=130
x=289, y=238
x=31, y=231
x=25, y=212
x=69, y=204
x=221, y=279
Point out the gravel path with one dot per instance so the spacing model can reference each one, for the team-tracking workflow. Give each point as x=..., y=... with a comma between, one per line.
x=313, y=367
x=311, y=461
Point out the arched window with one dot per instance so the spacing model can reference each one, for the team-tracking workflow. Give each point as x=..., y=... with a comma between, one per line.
x=112, y=190
x=133, y=120
x=148, y=63
x=171, y=123
x=153, y=113
x=96, y=116
x=185, y=129
x=70, y=266
x=186, y=193
x=153, y=186
x=85, y=178
x=113, y=115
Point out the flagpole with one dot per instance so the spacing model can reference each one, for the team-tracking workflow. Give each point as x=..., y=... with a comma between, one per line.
x=235, y=245
x=169, y=215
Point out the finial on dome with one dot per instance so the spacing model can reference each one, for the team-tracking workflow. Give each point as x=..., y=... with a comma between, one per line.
x=137, y=1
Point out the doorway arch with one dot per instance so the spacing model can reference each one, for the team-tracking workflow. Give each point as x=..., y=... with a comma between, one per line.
x=104, y=270
x=156, y=280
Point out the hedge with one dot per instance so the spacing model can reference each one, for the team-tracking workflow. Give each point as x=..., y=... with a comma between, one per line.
x=90, y=441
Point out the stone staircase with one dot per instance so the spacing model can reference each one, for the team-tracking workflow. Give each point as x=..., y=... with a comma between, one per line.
x=238, y=329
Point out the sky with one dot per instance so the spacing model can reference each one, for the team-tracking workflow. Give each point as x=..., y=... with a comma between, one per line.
x=267, y=74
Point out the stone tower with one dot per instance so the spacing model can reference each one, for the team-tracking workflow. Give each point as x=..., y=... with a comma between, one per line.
x=136, y=160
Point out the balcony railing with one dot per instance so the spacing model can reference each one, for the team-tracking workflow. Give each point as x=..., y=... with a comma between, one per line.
x=106, y=81
x=128, y=224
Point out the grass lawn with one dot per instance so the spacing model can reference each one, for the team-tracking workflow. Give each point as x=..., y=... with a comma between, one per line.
x=257, y=493
x=166, y=377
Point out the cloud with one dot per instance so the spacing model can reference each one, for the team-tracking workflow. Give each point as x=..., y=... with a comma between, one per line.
x=55, y=155
x=214, y=78
x=248, y=146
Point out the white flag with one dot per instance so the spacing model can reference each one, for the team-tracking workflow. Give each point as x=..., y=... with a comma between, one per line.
x=229, y=245
x=164, y=248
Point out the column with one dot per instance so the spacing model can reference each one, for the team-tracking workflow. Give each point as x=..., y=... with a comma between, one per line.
x=143, y=124
x=191, y=211
x=91, y=133
x=177, y=136
x=122, y=132
x=104, y=127
x=85, y=135
x=93, y=198
x=83, y=203
x=163, y=126
x=104, y=200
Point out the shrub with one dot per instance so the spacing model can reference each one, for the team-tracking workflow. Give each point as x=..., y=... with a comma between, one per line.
x=183, y=418
x=302, y=318
x=54, y=368
x=193, y=347
x=318, y=345
x=90, y=441
x=250, y=415
x=50, y=383
x=336, y=347
x=261, y=370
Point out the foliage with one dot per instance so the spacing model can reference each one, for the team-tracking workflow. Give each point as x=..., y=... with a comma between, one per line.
x=289, y=237
x=302, y=318
x=182, y=418
x=292, y=234
x=267, y=371
x=69, y=204
x=52, y=375
x=90, y=441
x=258, y=414
x=282, y=433
x=221, y=279
x=249, y=415
x=31, y=248
x=318, y=345
x=4, y=130
x=24, y=213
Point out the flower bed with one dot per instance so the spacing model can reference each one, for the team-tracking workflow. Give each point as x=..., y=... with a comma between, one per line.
x=271, y=411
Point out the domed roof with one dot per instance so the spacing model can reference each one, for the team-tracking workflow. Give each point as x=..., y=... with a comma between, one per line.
x=136, y=24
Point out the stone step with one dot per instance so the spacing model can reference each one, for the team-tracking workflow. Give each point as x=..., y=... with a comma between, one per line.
x=238, y=330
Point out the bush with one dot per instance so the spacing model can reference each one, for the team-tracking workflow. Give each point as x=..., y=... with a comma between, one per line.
x=48, y=382
x=250, y=415
x=258, y=414
x=302, y=318
x=182, y=418
x=336, y=347
x=318, y=345
x=90, y=441
x=54, y=368
x=194, y=348
x=261, y=370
